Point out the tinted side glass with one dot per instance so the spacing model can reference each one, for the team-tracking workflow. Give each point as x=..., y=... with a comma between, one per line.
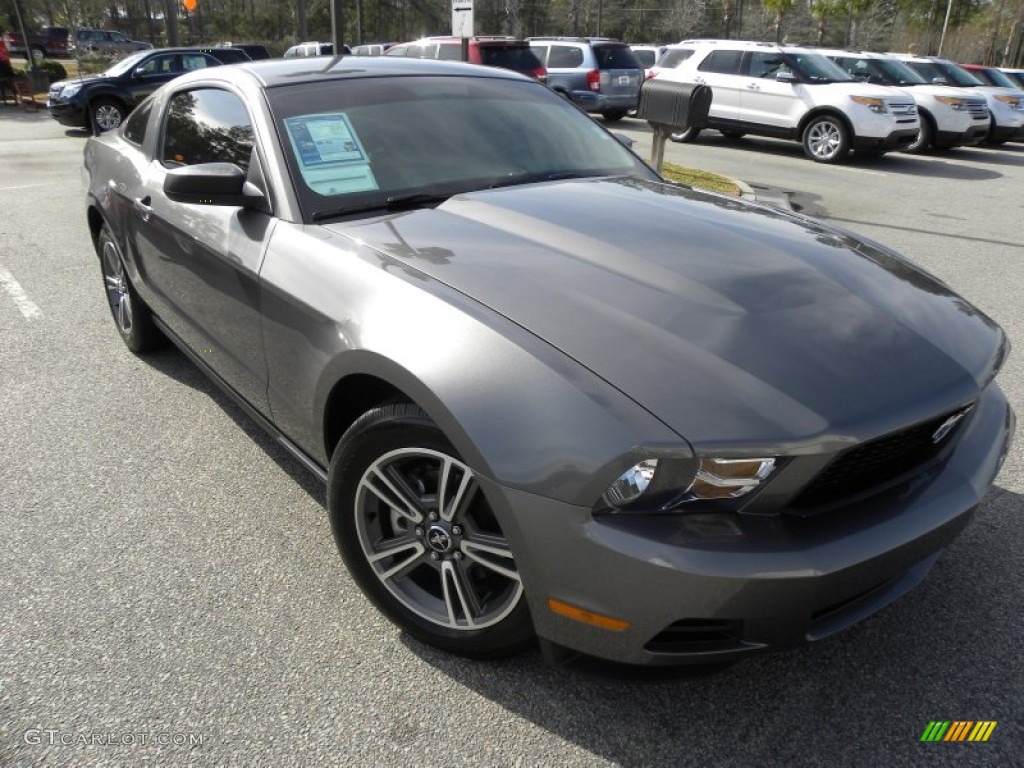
x=450, y=52
x=674, y=57
x=765, y=64
x=565, y=57
x=724, y=62
x=646, y=58
x=190, y=61
x=520, y=59
x=615, y=57
x=162, y=65
x=135, y=126
x=206, y=125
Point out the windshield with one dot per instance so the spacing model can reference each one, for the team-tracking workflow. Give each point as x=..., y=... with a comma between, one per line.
x=816, y=68
x=896, y=72
x=388, y=141
x=995, y=77
x=125, y=66
x=944, y=73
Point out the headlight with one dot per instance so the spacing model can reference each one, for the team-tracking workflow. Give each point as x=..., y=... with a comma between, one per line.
x=960, y=105
x=70, y=90
x=1013, y=101
x=661, y=485
x=875, y=105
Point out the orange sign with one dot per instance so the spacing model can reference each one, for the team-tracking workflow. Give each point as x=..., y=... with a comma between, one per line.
x=190, y=5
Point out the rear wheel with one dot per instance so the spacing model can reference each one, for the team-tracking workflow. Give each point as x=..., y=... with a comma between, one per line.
x=685, y=137
x=732, y=134
x=420, y=539
x=826, y=139
x=613, y=116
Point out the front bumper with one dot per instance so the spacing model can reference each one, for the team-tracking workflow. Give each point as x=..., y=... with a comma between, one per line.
x=712, y=588
x=1002, y=133
x=67, y=113
x=974, y=135
x=897, y=139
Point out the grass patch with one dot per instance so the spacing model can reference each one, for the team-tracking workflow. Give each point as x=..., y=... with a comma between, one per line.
x=700, y=179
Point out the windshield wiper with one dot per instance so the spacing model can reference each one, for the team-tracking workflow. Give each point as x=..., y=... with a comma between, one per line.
x=408, y=202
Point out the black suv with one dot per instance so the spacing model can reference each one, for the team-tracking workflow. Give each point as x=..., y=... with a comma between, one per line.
x=100, y=103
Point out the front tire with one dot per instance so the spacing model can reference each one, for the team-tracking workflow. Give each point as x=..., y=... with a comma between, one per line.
x=614, y=116
x=925, y=137
x=420, y=539
x=106, y=115
x=826, y=139
x=132, y=317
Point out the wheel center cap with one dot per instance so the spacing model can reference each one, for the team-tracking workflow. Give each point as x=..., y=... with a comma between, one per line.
x=439, y=539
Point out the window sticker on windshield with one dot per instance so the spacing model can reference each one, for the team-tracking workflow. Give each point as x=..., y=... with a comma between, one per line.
x=331, y=157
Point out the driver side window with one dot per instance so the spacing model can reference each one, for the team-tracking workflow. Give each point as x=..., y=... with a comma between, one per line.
x=206, y=125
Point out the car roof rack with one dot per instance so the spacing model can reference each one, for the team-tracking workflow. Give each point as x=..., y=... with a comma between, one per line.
x=570, y=39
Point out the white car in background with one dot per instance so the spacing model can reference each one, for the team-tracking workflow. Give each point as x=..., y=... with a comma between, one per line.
x=949, y=116
x=1005, y=105
x=789, y=92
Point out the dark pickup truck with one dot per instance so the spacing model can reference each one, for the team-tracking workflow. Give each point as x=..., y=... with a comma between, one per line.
x=52, y=41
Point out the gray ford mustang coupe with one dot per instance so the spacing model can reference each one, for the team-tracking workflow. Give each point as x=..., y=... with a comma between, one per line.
x=551, y=395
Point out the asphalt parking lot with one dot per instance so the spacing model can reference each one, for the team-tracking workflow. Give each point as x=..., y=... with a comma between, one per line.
x=172, y=594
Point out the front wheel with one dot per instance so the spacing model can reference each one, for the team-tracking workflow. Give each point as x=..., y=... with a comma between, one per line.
x=924, y=139
x=732, y=134
x=685, y=137
x=826, y=139
x=132, y=317
x=420, y=539
x=106, y=115
x=613, y=116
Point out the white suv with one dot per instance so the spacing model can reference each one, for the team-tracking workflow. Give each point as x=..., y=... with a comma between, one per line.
x=794, y=93
x=1006, y=105
x=950, y=117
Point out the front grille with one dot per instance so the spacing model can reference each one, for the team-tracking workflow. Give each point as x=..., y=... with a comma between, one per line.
x=978, y=109
x=697, y=635
x=903, y=109
x=874, y=465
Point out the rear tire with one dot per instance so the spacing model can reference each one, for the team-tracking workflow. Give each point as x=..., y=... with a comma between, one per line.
x=732, y=134
x=613, y=116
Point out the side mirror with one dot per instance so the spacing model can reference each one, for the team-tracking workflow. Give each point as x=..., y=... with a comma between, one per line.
x=624, y=140
x=785, y=77
x=214, y=184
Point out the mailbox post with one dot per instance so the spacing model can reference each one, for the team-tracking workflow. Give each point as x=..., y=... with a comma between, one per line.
x=669, y=107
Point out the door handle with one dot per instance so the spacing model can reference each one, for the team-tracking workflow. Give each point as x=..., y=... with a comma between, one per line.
x=143, y=207
x=753, y=86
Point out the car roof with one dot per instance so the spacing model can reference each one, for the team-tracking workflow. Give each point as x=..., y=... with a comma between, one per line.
x=271, y=73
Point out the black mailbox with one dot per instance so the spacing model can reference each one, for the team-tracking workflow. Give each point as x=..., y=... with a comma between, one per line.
x=679, y=105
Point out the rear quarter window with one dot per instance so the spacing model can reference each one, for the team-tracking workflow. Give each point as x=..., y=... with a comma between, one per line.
x=520, y=59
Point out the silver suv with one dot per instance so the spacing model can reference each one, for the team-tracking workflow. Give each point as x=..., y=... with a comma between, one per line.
x=597, y=74
x=790, y=92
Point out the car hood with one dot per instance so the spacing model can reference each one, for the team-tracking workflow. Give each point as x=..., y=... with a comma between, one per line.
x=84, y=80
x=857, y=88
x=736, y=324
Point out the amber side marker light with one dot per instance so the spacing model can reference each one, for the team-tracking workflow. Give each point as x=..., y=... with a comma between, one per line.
x=587, y=617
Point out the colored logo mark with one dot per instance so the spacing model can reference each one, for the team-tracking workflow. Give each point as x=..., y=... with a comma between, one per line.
x=959, y=730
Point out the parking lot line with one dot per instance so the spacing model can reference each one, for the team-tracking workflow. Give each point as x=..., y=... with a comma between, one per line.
x=13, y=288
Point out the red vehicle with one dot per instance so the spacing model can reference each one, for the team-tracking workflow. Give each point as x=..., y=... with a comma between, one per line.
x=504, y=52
x=52, y=41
